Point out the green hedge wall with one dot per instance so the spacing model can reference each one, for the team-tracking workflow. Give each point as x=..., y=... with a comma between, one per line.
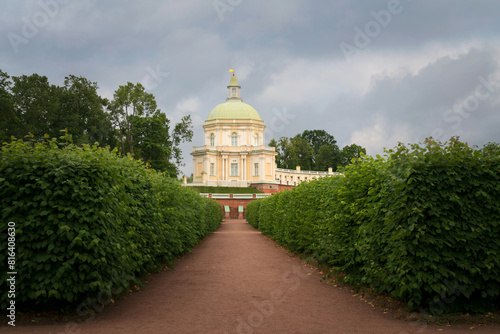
x=422, y=223
x=90, y=222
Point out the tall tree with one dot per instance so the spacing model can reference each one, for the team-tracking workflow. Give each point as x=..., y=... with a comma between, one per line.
x=143, y=130
x=82, y=112
x=329, y=156
x=313, y=150
x=350, y=152
x=183, y=132
x=154, y=143
x=9, y=122
x=152, y=140
x=283, y=149
x=36, y=105
x=319, y=139
x=130, y=101
x=278, y=159
x=301, y=153
x=292, y=152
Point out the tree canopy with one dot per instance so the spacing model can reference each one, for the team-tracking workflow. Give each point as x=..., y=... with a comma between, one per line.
x=131, y=122
x=313, y=150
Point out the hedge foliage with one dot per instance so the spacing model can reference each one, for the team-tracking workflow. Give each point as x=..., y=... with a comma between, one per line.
x=421, y=223
x=91, y=222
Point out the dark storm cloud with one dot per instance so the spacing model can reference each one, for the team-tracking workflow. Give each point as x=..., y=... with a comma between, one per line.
x=407, y=72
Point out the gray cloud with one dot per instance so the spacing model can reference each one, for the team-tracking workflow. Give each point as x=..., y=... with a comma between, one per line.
x=287, y=55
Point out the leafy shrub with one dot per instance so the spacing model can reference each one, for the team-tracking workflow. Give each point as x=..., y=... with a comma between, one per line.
x=252, y=213
x=421, y=223
x=90, y=222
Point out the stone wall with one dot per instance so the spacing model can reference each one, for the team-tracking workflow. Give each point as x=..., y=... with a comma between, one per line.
x=234, y=201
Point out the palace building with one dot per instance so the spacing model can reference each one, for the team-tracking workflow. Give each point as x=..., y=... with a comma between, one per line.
x=234, y=153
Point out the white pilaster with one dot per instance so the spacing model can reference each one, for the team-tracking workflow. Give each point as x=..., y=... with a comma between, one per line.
x=243, y=168
x=262, y=167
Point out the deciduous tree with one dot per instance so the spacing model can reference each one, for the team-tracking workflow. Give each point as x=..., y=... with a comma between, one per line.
x=328, y=157
x=322, y=141
x=82, y=112
x=152, y=140
x=183, y=132
x=36, y=105
x=130, y=101
x=313, y=150
x=350, y=152
x=9, y=122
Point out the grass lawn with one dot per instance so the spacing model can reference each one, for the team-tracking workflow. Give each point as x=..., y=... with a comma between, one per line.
x=226, y=190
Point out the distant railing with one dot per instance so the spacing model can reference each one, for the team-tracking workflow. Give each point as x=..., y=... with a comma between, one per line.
x=243, y=196
x=235, y=196
x=221, y=196
x=309, y=172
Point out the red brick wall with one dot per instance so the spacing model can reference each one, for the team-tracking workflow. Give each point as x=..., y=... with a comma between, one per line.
x=233, y=206
x=282, y=187
x=234, y=203
x=271, y=188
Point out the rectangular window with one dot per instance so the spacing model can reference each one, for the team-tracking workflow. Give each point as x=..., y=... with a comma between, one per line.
x=212, y=169
x=234, y=169
x=256, y=169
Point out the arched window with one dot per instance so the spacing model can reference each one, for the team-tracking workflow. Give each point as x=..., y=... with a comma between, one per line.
x=234, y=139
x=212, y=139
x=256, y=139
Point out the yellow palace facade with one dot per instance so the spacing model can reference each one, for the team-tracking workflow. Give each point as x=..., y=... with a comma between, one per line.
x=233, y=154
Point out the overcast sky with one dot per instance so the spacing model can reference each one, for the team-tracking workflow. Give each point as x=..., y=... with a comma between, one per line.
x=368, y=72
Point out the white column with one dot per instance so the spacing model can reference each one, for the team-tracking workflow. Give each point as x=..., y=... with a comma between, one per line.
x=225, y=169
x=217, y=169
x=206, y=165
x=262, y=166
x=243, y=168
x=273, y=169
x=226, y=163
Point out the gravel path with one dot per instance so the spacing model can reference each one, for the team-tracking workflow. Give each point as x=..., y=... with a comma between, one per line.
x=237, y=281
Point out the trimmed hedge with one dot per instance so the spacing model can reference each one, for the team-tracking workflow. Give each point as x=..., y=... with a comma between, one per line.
x=89, y=222
x=421, y=223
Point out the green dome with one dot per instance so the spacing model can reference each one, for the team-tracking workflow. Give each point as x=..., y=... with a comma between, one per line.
x=233, y=110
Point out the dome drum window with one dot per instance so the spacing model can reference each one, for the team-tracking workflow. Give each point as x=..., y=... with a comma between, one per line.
x=234, y=139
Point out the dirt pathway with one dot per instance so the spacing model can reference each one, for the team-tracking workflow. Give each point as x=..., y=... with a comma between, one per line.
x=237, y=281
